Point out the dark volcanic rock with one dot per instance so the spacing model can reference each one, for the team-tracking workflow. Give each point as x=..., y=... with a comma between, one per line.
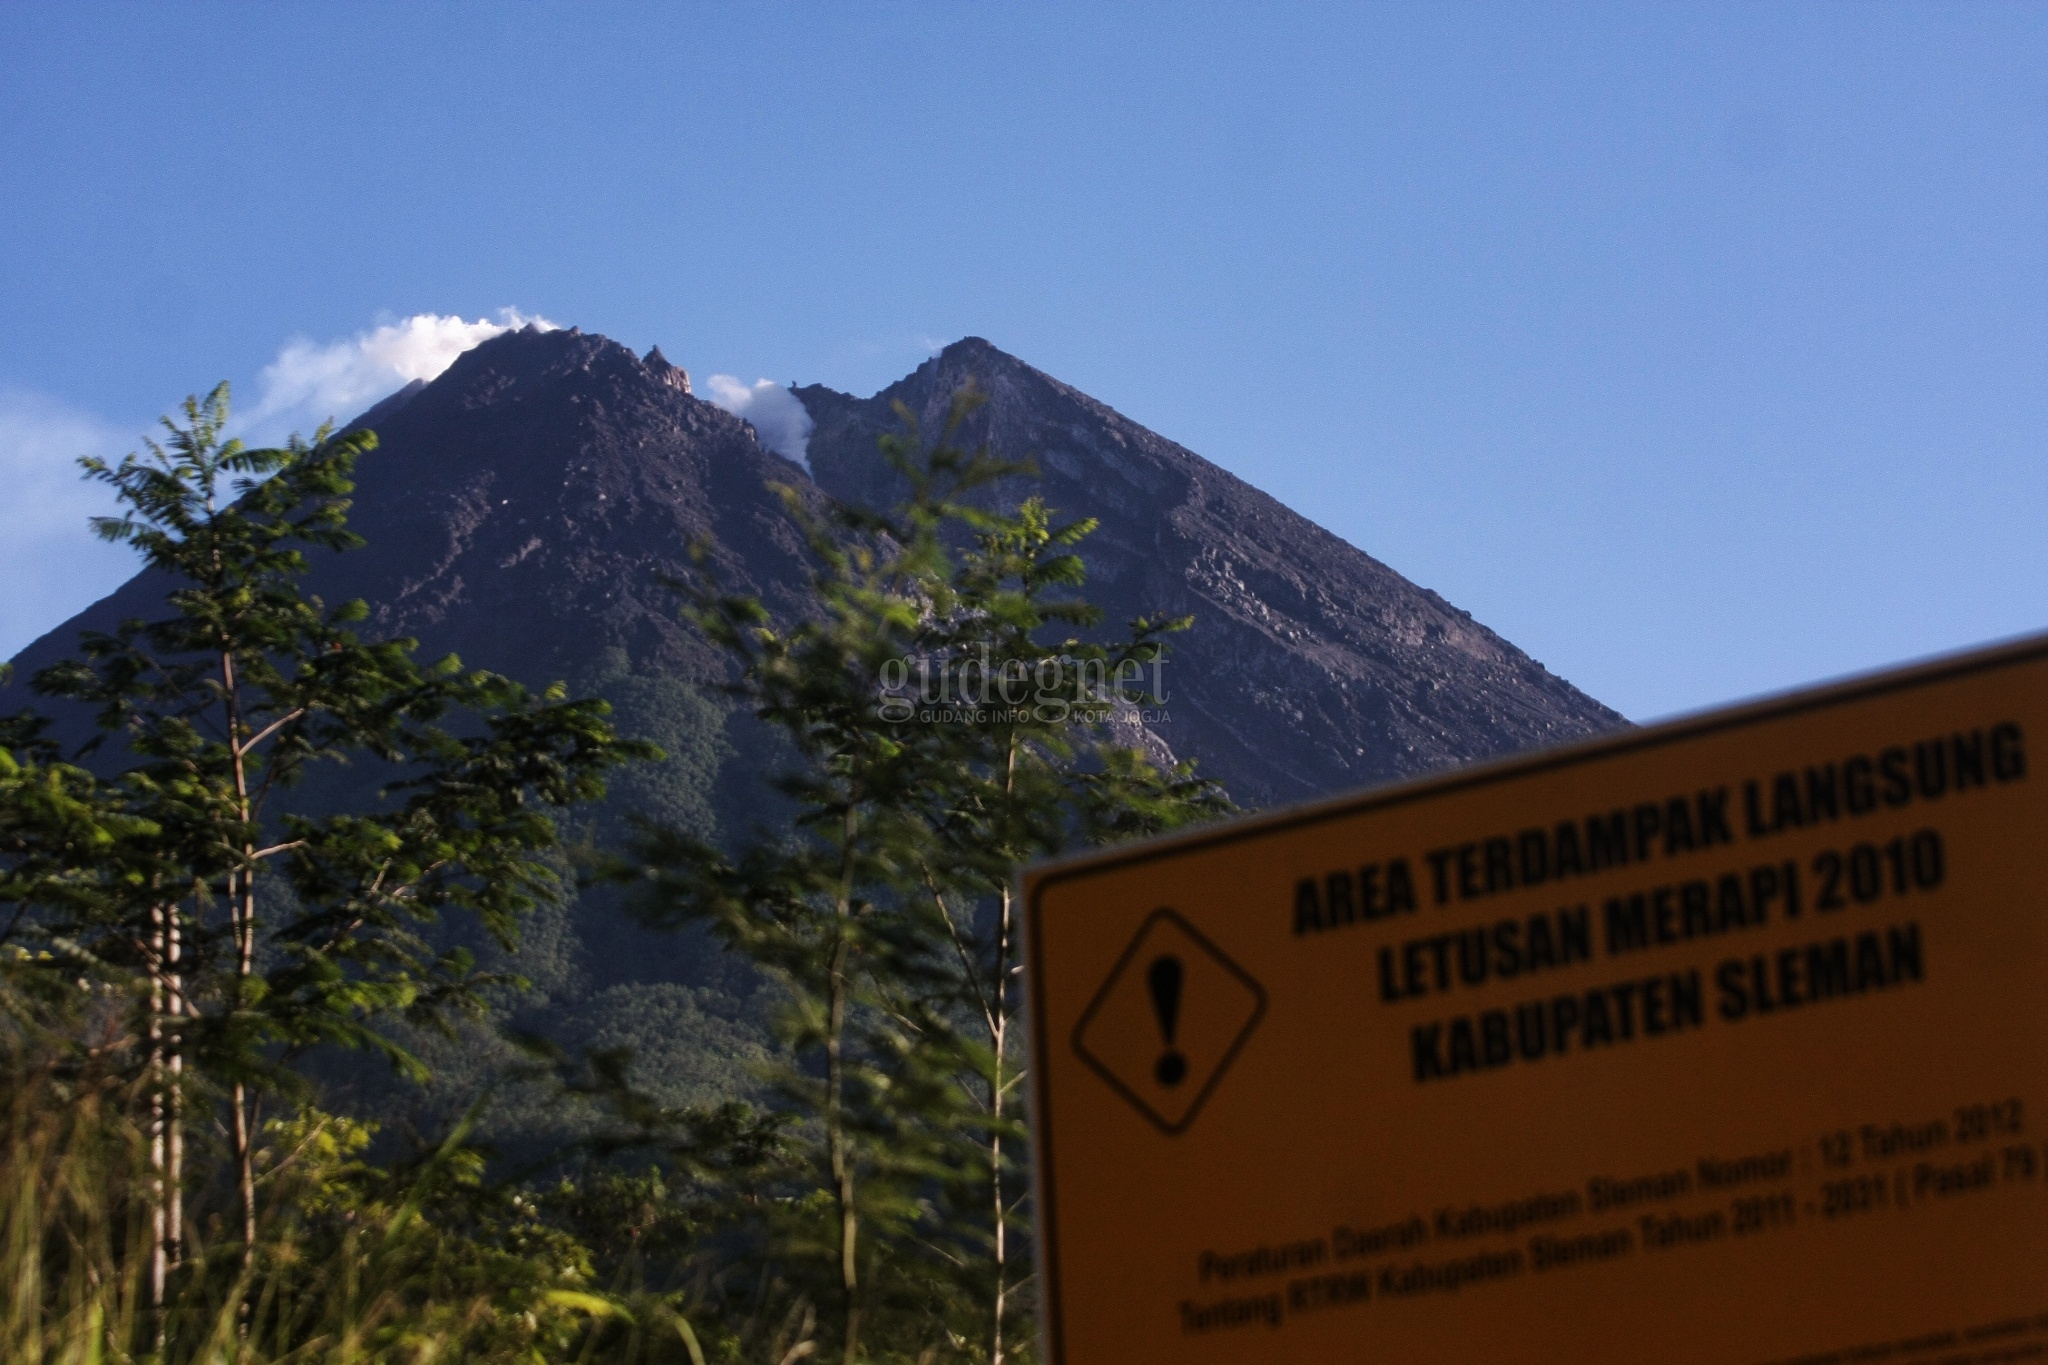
x=1311, y=668
x=524, y=509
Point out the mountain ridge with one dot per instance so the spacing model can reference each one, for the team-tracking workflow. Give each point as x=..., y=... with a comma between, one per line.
x=527, y=509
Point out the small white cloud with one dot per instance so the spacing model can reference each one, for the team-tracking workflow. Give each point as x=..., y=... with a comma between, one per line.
x=778, y=416
x=54, y=565
x=310, y=383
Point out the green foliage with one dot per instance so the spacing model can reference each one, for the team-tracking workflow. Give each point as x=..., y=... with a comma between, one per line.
x=816, y=1153
x=225, y=929
x=218, y=708
x=886, y=911
x=689, y=729
x=352, y=1262
x=588, y=978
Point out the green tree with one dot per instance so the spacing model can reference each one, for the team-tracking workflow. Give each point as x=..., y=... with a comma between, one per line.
x=886, y=911
x=1030, y=773
x=244, y=925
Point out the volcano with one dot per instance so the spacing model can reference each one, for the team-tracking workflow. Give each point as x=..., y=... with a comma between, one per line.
x=527, y=510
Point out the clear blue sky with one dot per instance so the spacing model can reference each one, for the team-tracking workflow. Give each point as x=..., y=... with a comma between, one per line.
x=1700, y=350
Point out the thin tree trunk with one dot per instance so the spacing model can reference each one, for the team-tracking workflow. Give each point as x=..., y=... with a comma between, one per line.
x=995, y=1164
x=166, y=1116
x=159, y=1122
x=244, y=1104
x=245, y=1172
x=835, y=1083
x=174, y=1136
x=999, y=1029
x=242, y=914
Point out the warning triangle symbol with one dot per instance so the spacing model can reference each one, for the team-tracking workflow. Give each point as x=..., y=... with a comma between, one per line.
x=1169, y=1020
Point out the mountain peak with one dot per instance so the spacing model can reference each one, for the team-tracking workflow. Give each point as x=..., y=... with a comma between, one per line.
x=976, y=355
x=974, y=348
x=675, y=376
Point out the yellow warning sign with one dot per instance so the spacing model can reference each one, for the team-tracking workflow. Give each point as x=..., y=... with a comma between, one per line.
x=1725, y=1040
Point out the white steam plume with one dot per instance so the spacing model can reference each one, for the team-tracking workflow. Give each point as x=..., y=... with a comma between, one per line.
x=778, y=415
x=309, y=383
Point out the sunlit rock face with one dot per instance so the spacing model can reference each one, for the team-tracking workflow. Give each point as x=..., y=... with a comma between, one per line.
x=1312, y=668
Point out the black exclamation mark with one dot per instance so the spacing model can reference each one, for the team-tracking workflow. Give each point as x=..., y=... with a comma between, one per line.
x=1164, y=981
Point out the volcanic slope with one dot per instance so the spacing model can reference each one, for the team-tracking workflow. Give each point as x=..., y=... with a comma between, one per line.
x=1312, y=668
